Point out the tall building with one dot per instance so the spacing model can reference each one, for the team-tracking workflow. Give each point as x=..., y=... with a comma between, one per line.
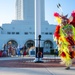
x=25, y=9
x=22, y=30
x=19, y=9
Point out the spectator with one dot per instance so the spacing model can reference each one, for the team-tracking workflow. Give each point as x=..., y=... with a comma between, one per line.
x=56, y=52
x=24, y=53
x=4, y=53
x=1, y=53
x=18, y=51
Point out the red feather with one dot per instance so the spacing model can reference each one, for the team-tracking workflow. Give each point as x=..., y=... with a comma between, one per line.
x=56, y=14
x=56, y=33
x=63, y=54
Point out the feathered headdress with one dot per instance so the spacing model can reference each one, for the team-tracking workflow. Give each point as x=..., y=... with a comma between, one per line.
x=60, y=17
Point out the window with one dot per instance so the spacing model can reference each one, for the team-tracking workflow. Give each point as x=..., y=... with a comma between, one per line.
x=17, y=32
x=46, y=33
x=8, y=32
x=13, y=32
x=50, y=33
x=26, y=33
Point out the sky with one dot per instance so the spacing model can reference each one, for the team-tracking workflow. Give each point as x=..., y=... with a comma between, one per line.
x=7, y=10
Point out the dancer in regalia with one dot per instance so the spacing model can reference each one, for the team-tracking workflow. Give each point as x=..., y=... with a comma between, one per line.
x=64, y=36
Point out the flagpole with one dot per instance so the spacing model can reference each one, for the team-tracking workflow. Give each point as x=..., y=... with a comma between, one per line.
x=37, y=30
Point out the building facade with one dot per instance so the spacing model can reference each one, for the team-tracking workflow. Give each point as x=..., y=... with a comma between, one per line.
x=22, y=31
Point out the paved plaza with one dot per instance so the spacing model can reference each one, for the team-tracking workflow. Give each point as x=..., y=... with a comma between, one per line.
x=37, y=71
x=25, y=66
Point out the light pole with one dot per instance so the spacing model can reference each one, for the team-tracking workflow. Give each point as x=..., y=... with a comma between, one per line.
x=39, y=38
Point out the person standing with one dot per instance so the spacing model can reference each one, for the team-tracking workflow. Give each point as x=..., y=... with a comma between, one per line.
x=64, y=36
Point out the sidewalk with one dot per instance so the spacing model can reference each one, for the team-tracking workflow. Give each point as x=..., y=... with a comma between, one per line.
x=37, y=71
x=20, y=66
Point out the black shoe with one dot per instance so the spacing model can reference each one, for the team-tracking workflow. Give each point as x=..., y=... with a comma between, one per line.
x=67, y=68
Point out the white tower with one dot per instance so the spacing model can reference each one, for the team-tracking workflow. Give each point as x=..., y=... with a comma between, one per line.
x=25, y=9
x=19, y=9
